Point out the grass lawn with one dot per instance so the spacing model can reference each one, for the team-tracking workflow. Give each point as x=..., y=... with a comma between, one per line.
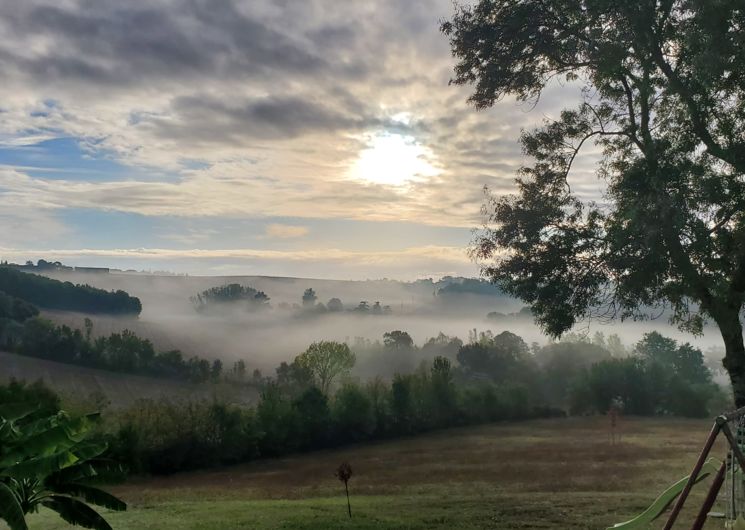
x=536, y=474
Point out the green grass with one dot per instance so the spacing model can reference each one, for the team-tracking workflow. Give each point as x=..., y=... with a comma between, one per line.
x=538, y=474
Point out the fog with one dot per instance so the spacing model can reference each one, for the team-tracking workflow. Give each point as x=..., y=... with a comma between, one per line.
x=265, y=338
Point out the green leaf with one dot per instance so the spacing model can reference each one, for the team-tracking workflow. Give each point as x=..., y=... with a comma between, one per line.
x=10, y=509
x=17, y=411
x=91, y=495
x=90, y=472
x=41, y=467
x=88, y=450
x=76, y=512
x=46, y=443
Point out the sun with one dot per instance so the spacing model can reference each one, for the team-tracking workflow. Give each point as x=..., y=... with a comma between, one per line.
x=394, y=159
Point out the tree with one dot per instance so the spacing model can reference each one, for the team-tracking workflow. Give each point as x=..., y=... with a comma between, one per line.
x=53, y=294
x=398, y=340
x=504, y=357
x=663, y=101
x=326, y=360
x=51, y=462
x=230, y=295
x=313, y=416
x=684, y=361
x=335, y=305
x=352, y=413
x=294, y=378
x=239, y=369
x=309, y=298
x=216, y=370
x=443, y=390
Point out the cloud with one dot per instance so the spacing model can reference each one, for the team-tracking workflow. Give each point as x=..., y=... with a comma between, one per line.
x=286, y=231
x=248, y=108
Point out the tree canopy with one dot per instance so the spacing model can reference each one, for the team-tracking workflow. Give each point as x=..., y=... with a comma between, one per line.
x=53, y=294
x=326, y=360
x=230, y=295
x=663, y=87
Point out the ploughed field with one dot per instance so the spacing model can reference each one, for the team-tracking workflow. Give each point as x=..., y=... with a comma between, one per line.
x=562, y=473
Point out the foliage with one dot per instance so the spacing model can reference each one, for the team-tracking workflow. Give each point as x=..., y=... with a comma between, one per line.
x=663, y=102
x=352, y=413
x=684, y=360
x=563, y=362
x=442, y=345
x=335, y=305
x=165, y=436
x=398, y=340
x=309, y=298
x=52, y=462
x=502, y=357
x=231, y=295
x=643, y=386
x=121, y=352
x=313, y=418
x=326, y=360
x=13, y=308
x=53, y=294
x=47, y=402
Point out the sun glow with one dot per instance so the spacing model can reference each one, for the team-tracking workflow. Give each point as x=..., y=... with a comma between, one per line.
x=394, y=160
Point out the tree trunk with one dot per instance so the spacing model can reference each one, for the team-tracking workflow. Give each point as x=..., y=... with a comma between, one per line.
x=734, y=359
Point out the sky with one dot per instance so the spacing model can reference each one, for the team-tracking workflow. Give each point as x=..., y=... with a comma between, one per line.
x=287, y=138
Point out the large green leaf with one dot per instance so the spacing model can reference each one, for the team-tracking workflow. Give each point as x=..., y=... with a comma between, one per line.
x=8, y=432
x=90, y=472
x=41, y=467
x=91, y=495
x=45, y=437
x=76, y=512
x=88, y=450
x=49, y=442
x=17, y=411
x=10, y=509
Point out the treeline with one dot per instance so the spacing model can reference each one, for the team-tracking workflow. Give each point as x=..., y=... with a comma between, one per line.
x=122, y=352
x=580, y=375
x=312, y=403
x=659, y=377
x=231, y=295
x=293, y=414
x=244, y=297
x=53, y=294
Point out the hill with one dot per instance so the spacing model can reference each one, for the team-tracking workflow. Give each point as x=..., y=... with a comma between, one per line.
x=119, y=390
x=48, y=293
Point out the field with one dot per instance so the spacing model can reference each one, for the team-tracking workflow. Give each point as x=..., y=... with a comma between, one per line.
x=535, y=474
x=87, y=385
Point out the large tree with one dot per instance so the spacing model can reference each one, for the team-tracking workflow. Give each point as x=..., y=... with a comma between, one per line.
x=664, y=98
x=326, y=360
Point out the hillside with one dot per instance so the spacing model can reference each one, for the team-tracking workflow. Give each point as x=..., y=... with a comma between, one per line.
x=50, y=293
x=120, y=390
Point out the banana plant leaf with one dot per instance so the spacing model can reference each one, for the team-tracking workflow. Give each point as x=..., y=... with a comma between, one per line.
x=10, y=509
